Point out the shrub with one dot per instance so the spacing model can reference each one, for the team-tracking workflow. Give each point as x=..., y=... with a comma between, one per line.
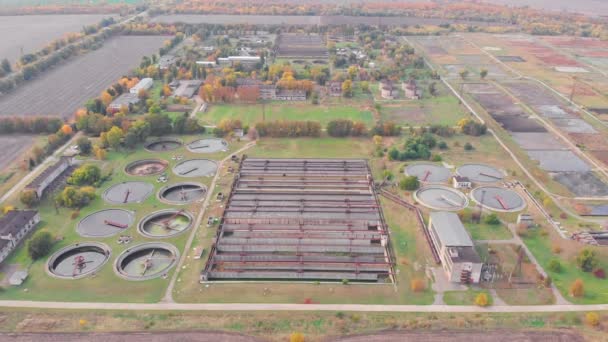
x=555, y=266
x=492, y=219
x=442, y=145
x=468, y=147
x=409, y=183
x=586, y=260
x=592, y=319
x=296, y=337
x=599, y=273
x=417, y=285
x=437, y=158
x=556, y=249
x=482, y=300
x=563, y=216
x=40, y=245
x=344, y=281
x=577, y=289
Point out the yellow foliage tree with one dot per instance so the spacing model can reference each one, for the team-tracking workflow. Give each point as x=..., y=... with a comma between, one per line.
x=296, y=337
x=592, y=319
x=481, y=299
x=167, y=90
x=106, y=98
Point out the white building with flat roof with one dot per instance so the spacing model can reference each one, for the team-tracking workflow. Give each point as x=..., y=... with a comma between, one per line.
x=145, y=84
x=456, y=250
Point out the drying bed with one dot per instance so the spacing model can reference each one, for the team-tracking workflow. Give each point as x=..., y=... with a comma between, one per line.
x=196, y=168
x=210, y=145
x=78, y=260
x=146, y=167
x=165, y=223
x=498, y=199
x=441, y=198
x=128, y=192
x=163, y=145
x=428, y=173
x=304, y=220
x=480, y=173
x=146, y=261
x=182, y=193
x=105, y=223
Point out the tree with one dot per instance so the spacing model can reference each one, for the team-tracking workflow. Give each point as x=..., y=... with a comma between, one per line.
x=87, y=174
x=66, y=129
x=167, y=91
x=106, y=98
x=29, y=198
x=464, y=73
x=377, y=140
x=40, y=245
x=483, y=73
x=577, y=289
x=492, y=219
x=482, y=299
x=586, y=260
x=6, y=66
x=160, y=124
x=130, y=139
x=433, y=88
x=555, y=266
x=592, y=319
x=84, y=145
x=409, y=183
x=352, y=71
x=115, y=136
x=347, y=88
x=100, y=153
x=364, y=86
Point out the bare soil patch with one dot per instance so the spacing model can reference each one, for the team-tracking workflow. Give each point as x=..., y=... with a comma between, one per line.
x=466, y=336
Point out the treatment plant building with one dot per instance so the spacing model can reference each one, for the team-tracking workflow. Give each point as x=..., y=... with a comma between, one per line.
x=456, y=250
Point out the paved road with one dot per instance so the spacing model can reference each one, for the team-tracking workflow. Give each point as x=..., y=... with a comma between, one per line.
x=297, y=307
x=387, y=336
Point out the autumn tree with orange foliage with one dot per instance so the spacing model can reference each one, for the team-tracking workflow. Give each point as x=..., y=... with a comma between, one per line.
x=248, y=94
x=66, y=129
x=167, y=90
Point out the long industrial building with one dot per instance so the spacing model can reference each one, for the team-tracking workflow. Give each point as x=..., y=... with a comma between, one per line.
x=302, y=219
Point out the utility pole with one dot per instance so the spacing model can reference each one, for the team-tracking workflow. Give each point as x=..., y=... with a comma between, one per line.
x=573, y=88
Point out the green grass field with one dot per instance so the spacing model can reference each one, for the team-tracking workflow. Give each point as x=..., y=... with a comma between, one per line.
x=444, y=110
x=464, y=297
x=484, y=231
x=250, y=114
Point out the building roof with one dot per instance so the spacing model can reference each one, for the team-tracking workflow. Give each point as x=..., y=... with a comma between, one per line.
x=450, y=230
x=49, y=170
x=292, y=92
x=145, y=83
x=462, y=179
x=124, y=99
x=187, y=88
x=166, y=61
x=17, y=278
x=246, y=81
x=14, y=220
x=465, y=254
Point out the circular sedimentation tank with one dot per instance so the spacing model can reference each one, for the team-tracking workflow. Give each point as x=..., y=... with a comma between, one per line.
x=498, y=199
x=182, y=193
x=428, y=173
x=165, y=223
x=105, y=223
x=146, y=261
x=128, y=192
x=441, y=198
x=480, y=173
x=146, y=167
x=196, y=168
x=163, y=145
x=78, y=260
x=210, y=145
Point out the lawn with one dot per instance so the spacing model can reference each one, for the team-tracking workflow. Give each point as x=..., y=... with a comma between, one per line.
x=251, y=114
x=104, y=285
x=464, y=297
x=483, y=231
x=443, y=110
x=596, y=290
